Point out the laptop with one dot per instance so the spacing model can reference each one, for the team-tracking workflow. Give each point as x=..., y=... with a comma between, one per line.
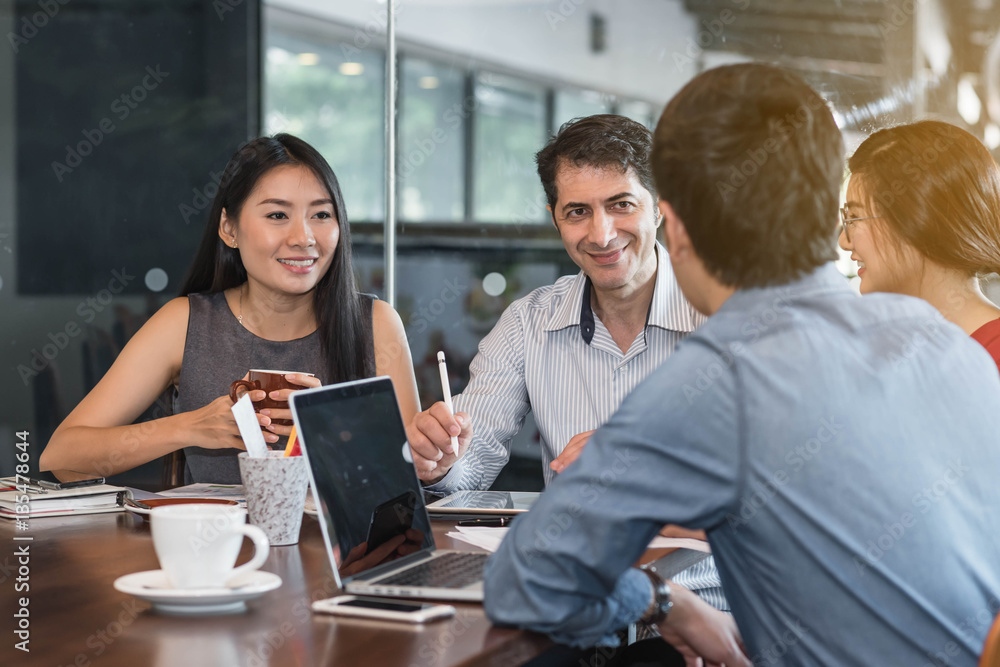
x=368, y=497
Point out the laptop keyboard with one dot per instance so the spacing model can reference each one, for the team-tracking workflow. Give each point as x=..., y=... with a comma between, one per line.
x=455, y=569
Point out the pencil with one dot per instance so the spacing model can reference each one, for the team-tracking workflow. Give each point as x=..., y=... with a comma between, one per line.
x=291, y=442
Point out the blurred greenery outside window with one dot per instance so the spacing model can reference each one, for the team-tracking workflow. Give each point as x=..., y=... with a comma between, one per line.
x=641, y=112
x=570, y=104
x=432, y=126
x=334, y=99
x=510, y=127
x=332, y=95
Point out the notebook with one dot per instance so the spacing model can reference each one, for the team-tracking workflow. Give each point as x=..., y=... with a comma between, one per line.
x=16, y=504
x=368, y=495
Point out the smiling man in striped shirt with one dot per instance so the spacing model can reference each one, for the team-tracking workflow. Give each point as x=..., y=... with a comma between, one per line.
x=571, y=352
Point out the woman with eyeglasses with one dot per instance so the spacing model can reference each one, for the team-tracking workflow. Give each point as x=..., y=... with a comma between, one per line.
x=923, y=218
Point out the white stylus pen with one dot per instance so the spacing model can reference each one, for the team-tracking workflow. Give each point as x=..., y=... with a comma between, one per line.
x=446, y=390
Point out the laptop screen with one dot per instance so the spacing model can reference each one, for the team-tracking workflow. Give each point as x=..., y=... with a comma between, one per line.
x=369, y=494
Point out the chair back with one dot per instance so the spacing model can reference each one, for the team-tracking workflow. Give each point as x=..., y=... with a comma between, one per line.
x=173, y=469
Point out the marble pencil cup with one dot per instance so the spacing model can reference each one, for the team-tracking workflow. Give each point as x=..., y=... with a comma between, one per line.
x=275, y=488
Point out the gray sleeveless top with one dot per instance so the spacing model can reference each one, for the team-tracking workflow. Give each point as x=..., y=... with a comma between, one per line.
x=219, y=350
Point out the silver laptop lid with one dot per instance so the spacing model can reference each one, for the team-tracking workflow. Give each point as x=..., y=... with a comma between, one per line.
x=367, y=492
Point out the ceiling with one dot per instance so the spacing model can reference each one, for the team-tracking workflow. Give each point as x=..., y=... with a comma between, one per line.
x=859, y=53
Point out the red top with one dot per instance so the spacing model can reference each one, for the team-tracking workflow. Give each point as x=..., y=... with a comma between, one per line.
x=988, y=336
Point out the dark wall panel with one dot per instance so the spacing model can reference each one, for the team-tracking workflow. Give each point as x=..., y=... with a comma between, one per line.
x=127, y=111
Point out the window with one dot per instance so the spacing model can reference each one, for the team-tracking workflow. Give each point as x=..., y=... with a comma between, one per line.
x=431, y=149
x=570, y=104
x=638, y=111
x=332, y=95
x=509, y=129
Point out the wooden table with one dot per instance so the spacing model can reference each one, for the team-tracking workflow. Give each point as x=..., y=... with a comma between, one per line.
x=78, y=618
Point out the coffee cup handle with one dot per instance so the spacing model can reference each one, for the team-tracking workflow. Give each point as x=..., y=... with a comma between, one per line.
x=261, y=548
x=249, y=385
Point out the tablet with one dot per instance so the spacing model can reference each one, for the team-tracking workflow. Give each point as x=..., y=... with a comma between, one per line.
x=485, y=502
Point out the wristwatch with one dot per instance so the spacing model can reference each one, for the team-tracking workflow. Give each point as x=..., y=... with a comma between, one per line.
x=660, y=604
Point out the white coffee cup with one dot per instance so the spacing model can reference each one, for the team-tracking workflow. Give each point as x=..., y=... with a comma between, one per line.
x=198, y=545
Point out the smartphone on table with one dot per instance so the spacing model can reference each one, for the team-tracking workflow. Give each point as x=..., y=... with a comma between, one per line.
x=383, y=609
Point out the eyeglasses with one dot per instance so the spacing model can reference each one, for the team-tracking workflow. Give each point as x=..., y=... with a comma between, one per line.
x=847, y=222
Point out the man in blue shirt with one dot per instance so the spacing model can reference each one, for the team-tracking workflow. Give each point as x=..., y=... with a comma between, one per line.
x=840, y=452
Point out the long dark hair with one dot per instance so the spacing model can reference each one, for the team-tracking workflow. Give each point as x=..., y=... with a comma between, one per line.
x=337, y=304
x=937, y=188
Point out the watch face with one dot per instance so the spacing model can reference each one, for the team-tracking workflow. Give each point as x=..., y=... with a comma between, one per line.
x=660, y=605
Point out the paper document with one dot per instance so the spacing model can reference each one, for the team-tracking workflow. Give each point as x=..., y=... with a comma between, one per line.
x=490, y=538
x=679, y=543
x=221, y=491
x=249, y=427
x=480, y=536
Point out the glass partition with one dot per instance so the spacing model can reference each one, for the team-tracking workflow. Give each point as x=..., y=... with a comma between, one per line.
x=570, y=104
x=432, y=141
x=321, y=88
x=510, y=125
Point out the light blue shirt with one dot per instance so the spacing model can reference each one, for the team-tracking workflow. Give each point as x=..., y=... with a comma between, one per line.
x=842, y=455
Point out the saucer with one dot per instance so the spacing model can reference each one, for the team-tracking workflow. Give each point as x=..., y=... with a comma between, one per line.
x=310, y=507
x=153, y=587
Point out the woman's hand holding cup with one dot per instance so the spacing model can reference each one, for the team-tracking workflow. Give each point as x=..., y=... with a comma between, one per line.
x=278, y=415
x=269, y=393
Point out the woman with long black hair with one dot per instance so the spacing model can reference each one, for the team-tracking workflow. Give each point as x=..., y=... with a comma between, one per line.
x=272, y=287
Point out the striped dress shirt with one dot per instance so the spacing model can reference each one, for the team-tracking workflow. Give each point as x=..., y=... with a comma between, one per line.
x=550, y=353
